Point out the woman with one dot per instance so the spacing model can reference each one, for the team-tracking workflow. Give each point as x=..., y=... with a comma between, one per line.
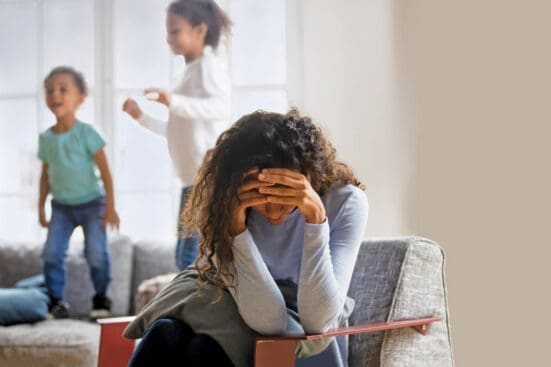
x=281, y=222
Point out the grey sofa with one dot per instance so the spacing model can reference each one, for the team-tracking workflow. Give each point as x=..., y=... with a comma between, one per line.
x=75, y=342
x=394, y=279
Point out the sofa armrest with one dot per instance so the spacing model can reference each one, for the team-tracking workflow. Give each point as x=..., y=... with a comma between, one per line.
x=114, y=349
x=279, y=351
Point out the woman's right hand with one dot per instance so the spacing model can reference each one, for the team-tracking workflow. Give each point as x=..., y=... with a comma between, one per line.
x=247, y=196
x=42, y=218
x=130, y=106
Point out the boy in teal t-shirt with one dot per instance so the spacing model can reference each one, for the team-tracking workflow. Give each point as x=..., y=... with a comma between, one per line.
x=70, y=151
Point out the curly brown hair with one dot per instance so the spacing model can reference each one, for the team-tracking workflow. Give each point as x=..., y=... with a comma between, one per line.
x=260, y=139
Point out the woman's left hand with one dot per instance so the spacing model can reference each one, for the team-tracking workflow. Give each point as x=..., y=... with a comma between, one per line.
x=293, y=188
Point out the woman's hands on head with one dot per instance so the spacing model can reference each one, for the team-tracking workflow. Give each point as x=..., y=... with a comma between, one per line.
x=275, y=187
x=292, y=188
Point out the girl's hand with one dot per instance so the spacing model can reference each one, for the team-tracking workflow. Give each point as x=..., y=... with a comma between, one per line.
x=247, y=196
x=131, y=107
x=111, y=217
x=42, y=218
x=292, y=188
x=162, y=95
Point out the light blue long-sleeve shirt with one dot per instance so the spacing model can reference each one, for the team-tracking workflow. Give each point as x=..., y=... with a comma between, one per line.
x=319, y=258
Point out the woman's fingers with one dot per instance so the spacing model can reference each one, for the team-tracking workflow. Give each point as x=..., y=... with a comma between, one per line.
x=252, y=185
x=251, y=194
x=279, y=190
x=283, y=171
x=294, y=181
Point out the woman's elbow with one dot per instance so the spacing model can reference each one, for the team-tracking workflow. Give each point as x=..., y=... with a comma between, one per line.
x=276, y=325
x=319, y=325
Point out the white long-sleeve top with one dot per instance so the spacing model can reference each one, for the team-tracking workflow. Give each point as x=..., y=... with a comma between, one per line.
x=199, y=111
x=319, y=258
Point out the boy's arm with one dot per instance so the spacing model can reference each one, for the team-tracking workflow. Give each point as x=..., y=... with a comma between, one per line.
x=111, y=215
x=43, y=191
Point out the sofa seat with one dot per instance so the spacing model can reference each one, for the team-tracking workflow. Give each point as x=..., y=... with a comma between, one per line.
x=55, y=343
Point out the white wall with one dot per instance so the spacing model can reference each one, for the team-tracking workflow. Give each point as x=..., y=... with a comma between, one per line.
x=443, y=109
x=352, y=87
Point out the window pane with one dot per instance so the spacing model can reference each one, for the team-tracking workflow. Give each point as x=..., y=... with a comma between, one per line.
x=142, y=160
x=18, y=146
x=249, y=101
x=18, y=218
x=140, y=50
x=18, y=60
x=150, y=215
x=68, y=31
x=258, y=54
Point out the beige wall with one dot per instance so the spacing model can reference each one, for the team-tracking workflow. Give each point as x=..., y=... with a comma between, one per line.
x=449, y=125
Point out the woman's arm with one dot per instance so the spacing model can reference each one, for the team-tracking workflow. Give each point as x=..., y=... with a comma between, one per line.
x=110, y=217
x=328, y=259
x=256, y=293
x=254, y=290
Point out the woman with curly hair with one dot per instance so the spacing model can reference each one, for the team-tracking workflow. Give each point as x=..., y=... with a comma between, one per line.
x=281, y=222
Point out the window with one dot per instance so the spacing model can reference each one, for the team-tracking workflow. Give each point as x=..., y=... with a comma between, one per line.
x=120, y=47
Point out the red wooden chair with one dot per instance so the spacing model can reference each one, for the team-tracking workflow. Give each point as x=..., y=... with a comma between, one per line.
x=115, y=350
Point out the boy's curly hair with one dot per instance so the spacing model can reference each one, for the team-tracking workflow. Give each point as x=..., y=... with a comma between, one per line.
x=260, y=139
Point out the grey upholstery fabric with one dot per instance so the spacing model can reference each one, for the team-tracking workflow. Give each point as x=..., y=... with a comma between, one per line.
x=420, y=292
x=52, y=343
x=372, y=287
x=395, y=279
x=150, y=259
x=21, y=260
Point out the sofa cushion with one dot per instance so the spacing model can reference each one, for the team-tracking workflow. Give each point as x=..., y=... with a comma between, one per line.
x=18, y=305
x=50, y=343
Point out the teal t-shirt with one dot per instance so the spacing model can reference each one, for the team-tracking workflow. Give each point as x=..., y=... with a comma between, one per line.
x=71, y=166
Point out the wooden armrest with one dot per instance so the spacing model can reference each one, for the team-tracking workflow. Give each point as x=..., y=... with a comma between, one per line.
x=279, y=351
x=114, y=349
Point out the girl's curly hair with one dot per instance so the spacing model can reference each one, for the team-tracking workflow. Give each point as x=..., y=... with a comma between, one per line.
x=260, y=139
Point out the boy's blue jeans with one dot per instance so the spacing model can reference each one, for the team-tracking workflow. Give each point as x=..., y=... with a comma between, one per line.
x=186, y=247
x=65, y=218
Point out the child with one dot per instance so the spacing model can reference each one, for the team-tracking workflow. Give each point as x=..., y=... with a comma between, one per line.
x=199, y=103
x=281, y=222
x=69, y=152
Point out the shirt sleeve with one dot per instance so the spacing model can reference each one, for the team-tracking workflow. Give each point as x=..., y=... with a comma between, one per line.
x=254, y=290
x=328, y=258
x=152, y=124
x=41, y=149
x=216, y=105
x=93, y=140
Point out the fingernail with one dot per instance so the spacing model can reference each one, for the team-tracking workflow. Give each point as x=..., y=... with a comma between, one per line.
x=261, y=176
